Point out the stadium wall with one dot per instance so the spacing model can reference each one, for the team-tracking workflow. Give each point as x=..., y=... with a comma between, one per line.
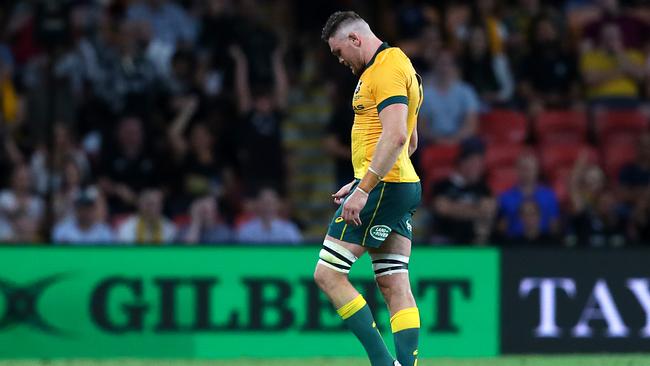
x=228, y=302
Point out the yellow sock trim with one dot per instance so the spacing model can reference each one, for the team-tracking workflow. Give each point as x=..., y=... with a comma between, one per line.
x=405, y=319
x=352, y=307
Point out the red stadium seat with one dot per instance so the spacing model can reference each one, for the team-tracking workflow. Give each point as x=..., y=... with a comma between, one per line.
x=436, y=163
x=561, y=126
x=614, y=156
x=501, y=179
x=502, y=126
x=555, y=158
x=620, y=125
x=503, y=155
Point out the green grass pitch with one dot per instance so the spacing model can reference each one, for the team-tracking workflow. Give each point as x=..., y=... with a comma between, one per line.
x=592, y=360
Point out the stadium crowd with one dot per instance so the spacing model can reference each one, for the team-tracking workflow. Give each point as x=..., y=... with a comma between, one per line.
x=160, y=121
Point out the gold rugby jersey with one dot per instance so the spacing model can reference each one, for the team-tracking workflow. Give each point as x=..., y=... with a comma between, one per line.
x=389, y=78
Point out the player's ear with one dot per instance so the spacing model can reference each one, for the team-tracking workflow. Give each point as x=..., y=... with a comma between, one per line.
x=355, y=39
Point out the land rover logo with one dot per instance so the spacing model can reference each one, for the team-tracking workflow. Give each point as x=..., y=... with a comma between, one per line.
x=380, y=232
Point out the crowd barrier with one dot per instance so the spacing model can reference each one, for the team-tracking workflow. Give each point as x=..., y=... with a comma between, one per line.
x=227, y=302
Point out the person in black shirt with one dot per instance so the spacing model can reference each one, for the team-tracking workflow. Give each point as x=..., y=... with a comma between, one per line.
x=337, y=143
x=127, y=166
x=260, y=149
x=463, y=206
x=548, y=74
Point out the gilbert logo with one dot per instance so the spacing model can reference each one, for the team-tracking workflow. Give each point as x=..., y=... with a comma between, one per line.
x=380, y=232
x=22, y=304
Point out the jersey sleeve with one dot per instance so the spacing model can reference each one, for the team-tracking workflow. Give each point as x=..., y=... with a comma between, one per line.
x=390, y=86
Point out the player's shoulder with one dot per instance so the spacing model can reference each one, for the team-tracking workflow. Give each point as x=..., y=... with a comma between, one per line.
x=392, y=56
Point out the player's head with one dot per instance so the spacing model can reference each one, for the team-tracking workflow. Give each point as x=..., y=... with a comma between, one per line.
x=346, y=32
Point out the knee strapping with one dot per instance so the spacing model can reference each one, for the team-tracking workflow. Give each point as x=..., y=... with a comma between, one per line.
x=336, y=257
x=386, y=264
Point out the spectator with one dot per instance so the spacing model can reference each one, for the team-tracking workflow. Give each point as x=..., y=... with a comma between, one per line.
x=85, y=225
x=462, y=205
x=528, y=189
x=449, y=112
x=634, y=31
x=168, y=24
x=598, y=225
x=548, y=75
x=148, y=226
x=128, y=167
x=261, y=152
x=488, y=73
x=197, y=166
x=531, y=221
x=206, y=226
x=337, y=143
x=640, y=221
x=67, y=193
x=634, y=178
x=611, y=72
x=267, y=226
x=64, y=149
x=24, y=229
x=19, y=197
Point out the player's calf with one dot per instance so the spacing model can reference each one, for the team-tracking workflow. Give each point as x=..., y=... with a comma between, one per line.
x=391, y=274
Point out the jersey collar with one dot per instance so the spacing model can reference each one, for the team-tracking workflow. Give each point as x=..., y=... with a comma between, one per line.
x=382, y=47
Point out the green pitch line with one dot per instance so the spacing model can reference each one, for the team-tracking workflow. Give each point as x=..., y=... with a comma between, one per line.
x=604, y=360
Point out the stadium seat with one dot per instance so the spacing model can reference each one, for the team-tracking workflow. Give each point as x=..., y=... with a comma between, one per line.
x=560, y=127
x=555, y=158
x=436, y=163
x=614, y=156
x=501, y=179
x=502, y=155
x=502, y=126
x=620, y=125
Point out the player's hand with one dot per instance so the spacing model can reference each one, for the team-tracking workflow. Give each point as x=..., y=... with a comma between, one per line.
x=352, y=207
x=340, y=195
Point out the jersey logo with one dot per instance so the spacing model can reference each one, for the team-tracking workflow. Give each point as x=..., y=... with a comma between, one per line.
x=338, y=220
x=380, y=232
x=358, y=88
x=358, y=107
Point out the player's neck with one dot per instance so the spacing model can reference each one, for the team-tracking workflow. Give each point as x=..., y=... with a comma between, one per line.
x=372, y=45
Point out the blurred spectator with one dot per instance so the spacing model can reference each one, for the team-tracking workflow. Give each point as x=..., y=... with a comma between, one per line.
x=261, y=109
x=19, y=197
x=85, y=225
x=169, y=25
x=127, y=167
x=24, y=229
x=599, y=225
x=528, y=189
x=520, y=22
x=489, y=73
x=594, y=219
x=197, y=167
x=531, y=222
x=337, y=143
x=548, y=75
x=65, y=195
x=65, y=149
x=148, y=226
x=267, y=226
x=449, y=112
x=634, y=178
x=206, y=226
x=634, y=31
x=640, y=220
x=462, y=205
x=612, y=72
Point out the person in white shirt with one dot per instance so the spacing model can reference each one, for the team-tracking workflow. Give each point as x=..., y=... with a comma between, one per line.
x=148, y=226
x=267, y=226
x=85, y=225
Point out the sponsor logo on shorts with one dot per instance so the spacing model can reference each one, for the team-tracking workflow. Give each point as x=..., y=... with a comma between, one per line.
x=409, y=227
x=380, y=232
x=338, y=220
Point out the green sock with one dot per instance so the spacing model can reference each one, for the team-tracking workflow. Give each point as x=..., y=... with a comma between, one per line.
x=357, y=316
x=405, y=325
